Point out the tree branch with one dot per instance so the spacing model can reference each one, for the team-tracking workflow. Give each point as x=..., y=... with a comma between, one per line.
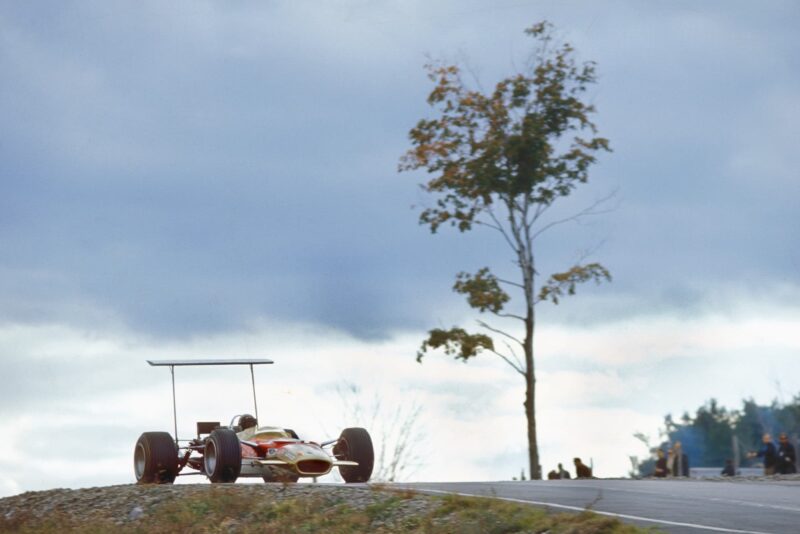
x=560, y=284
x=590, y=210
x=540, y=209
x=509, y=282
x=487, y=225
x=501, y=229
x=498, y=331
x=513, y=353
x=509, y=362
x=509, y=315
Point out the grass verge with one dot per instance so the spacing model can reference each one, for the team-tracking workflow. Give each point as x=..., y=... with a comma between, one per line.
x=228, y=508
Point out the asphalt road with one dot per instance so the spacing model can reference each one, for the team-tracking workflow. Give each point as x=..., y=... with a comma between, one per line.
x=676, y=506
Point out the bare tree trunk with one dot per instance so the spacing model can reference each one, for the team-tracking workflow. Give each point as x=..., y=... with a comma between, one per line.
x=530, y=399
x=526, y=260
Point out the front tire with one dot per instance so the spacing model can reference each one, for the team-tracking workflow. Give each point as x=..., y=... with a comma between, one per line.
x=155, y=459
x=355, y=445
x=222, y=456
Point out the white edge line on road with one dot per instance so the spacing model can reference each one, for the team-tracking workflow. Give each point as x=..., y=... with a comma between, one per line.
x=716, y=499
x=610, y=514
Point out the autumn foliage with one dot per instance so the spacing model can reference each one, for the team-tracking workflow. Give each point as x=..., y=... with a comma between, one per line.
x=500, y=159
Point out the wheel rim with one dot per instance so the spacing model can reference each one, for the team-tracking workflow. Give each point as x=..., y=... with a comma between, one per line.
x=139, y=461
x=210, y=457
x=343, y=450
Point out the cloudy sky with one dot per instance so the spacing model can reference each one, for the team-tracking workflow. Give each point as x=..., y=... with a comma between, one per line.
x=209, y=179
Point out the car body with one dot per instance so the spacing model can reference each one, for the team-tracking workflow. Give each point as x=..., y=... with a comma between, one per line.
x=226, y=453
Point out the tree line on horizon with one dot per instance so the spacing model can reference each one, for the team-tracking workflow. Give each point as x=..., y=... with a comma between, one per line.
x=715, y=433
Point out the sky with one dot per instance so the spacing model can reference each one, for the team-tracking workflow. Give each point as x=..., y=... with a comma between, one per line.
x=219, y=179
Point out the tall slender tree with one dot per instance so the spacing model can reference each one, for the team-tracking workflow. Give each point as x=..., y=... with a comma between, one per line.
x=500, y=160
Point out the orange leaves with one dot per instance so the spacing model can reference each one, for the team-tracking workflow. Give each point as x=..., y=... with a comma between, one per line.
x=560, y=283
x=508, y=142
x=455, y=342
x=482, y=290
x=539, y=29
x=447, y=82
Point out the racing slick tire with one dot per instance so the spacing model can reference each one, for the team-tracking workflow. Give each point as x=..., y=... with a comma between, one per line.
x=222, y=456
x=355, y=445
x=155, y=458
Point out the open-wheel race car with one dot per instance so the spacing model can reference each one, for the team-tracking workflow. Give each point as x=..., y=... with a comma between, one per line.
x=245, y=449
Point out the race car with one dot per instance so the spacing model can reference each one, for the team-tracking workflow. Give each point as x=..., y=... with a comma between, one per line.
x=245, y=449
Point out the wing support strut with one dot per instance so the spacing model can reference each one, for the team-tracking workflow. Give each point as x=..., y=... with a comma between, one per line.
x=253, y=381
x=174, y=404
x=172, y=363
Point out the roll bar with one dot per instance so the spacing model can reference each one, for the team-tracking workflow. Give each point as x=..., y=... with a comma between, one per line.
x=181, y=363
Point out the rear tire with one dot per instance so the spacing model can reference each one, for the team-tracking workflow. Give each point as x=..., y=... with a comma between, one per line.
x=222, y=456
x=355, y=445
x=155, y=459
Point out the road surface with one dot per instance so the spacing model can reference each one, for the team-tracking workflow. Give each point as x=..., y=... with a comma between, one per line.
x=675, y=506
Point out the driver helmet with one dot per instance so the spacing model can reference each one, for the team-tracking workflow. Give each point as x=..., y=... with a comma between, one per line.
x=246, y=421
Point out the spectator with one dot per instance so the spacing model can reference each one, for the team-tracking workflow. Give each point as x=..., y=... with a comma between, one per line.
x=768, y=453
x=728, y=470
x=680, y=466
x=552, y=475
x=786, y=456
x=582, y=470
x=563, y=473
x=661, y=465
x=670, y=462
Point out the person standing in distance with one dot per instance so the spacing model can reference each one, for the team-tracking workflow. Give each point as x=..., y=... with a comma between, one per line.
x=563, y=473
x=681, y=466
x=786, y=456
x=661, y=464
x=768, y=453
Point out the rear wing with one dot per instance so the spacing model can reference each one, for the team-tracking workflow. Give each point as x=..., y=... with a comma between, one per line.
x=241, y=361
x=182, y=363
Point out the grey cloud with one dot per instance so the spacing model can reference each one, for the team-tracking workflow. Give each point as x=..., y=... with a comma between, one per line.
x=184, y=168
x=32, y=380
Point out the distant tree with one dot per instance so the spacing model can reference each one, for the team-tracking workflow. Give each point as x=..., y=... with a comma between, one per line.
x=500, y=160
x=787, y=416
x=396, y=431
x=715, y=424
x=751, y=423
x=708, y=437
x=646, y=467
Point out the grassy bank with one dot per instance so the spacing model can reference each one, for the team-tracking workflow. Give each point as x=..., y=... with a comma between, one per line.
x=250, y=508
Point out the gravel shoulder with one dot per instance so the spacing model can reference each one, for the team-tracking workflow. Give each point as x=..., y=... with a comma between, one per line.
x=129, y=503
